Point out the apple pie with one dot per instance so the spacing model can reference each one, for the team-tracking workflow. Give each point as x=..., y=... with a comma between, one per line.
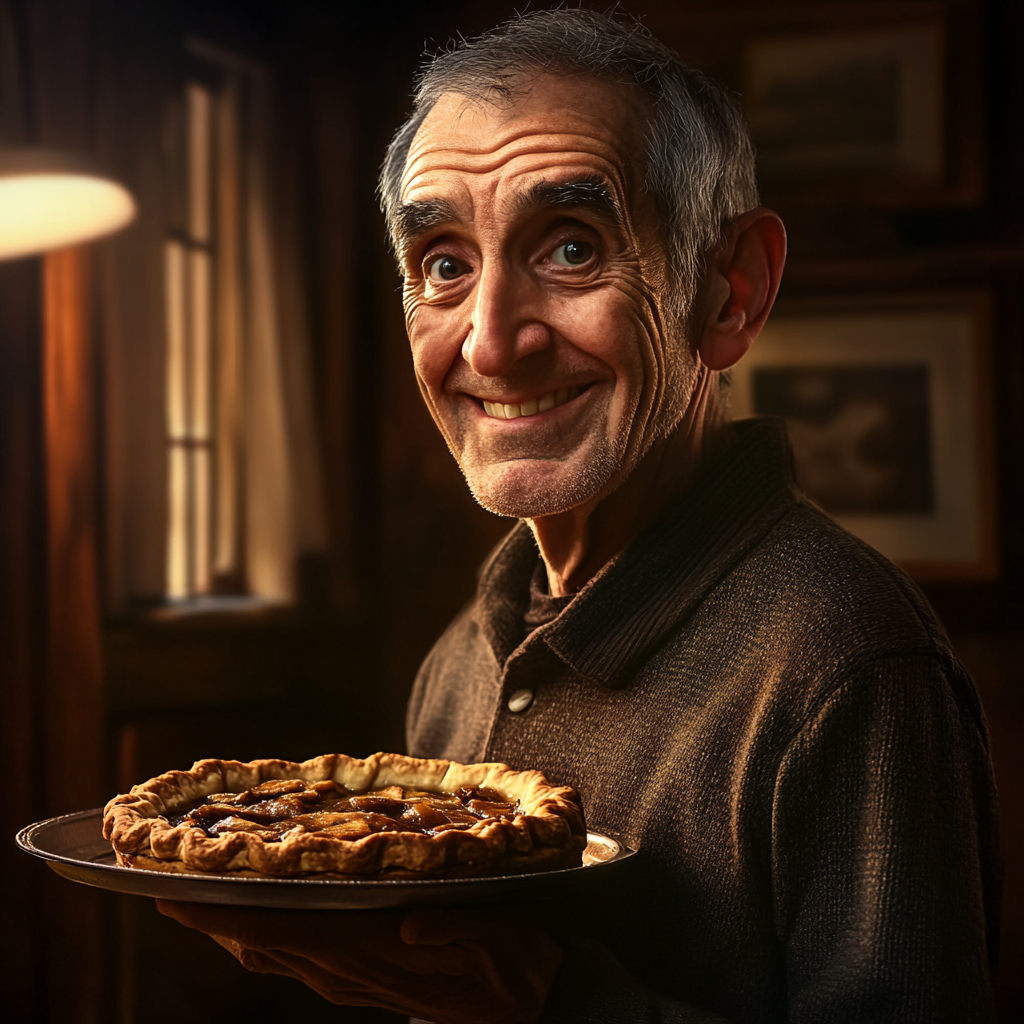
x=387, y=816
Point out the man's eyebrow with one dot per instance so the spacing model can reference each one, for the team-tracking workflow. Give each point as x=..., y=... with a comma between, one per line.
x=585, y=193
x=419, y=216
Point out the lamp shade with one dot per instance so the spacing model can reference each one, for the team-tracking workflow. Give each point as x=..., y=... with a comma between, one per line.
x=50, y=199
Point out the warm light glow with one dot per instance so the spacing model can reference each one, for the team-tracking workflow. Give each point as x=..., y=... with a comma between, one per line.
x=199, y=370
x=174, y=269
x=177, y=524
x=201, y=521
x=41, y=211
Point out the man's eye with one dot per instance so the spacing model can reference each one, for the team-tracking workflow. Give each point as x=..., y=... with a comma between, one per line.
x=446, y=268
x=572, y=254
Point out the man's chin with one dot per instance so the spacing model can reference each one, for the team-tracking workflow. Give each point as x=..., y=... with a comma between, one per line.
x=529, y=489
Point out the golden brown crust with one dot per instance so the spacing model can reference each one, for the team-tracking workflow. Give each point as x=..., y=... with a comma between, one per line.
x=547, y=832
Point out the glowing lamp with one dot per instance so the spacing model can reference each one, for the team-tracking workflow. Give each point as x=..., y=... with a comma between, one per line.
x=50, y=199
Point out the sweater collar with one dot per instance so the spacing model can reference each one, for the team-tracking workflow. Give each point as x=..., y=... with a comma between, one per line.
x=652, y=587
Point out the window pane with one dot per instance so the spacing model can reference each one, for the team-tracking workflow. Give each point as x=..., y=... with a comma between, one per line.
x=177, y=522
x=174, y=268
x=199, y=323
x=201, y=520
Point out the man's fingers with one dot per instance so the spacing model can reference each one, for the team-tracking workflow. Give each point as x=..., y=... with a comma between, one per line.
x=337, y=985
x=173, y=909
x=227, y=922
x=301, y=932
x=332, y=986
x=248, y=927
x=229, y=944
x=356, y=987
x=346, y=944
x=469, y=927
x=466, y=961
x=442, y=927
x=255, y=961
x=265, y=963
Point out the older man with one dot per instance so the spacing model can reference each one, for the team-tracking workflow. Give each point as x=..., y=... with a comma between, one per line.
x=760, y=704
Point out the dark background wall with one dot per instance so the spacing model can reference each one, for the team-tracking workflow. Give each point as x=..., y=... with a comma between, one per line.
x=333, y=673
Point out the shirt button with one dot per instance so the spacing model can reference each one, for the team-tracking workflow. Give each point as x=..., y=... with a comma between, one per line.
x=520, y=700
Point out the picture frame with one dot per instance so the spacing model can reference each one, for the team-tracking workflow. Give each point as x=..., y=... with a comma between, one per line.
x=876, y=110
x=888, y=404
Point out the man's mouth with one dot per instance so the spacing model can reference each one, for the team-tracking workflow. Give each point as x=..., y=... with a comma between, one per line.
x=549, y=400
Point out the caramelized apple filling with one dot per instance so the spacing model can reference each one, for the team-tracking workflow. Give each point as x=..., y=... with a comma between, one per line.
x=282, y=807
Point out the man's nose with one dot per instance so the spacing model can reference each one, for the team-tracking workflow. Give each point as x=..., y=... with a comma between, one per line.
x=507, y=324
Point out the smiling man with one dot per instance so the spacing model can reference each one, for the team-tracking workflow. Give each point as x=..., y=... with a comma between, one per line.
x=550, y=332
x=762, y=706
x=537, y=295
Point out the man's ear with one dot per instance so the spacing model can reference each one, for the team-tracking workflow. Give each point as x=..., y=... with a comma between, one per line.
x=740, y=285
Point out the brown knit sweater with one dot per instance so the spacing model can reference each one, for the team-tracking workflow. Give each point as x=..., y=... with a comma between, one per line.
x=768, y=711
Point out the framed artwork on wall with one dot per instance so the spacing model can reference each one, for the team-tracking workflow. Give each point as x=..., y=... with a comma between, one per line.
x=875, y=108
x=887, y=400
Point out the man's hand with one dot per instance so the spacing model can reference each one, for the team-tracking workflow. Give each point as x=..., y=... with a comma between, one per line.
x=448, y=966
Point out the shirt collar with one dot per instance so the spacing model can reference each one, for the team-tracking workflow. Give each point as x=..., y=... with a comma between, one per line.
x=653, y=586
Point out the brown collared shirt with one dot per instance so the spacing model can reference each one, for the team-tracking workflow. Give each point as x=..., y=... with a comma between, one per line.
x=768, y=711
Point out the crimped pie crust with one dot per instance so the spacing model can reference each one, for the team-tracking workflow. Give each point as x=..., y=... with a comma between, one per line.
x=546, y=833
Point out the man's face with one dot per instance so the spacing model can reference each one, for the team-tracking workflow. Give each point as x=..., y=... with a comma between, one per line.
x=535, y=292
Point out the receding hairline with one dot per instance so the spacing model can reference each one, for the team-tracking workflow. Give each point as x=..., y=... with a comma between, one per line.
x=512, y=87
x=582, y=190
x=507, y=98
x=697, y=157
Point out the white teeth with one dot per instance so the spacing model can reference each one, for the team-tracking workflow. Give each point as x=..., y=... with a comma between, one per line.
x=549, y=400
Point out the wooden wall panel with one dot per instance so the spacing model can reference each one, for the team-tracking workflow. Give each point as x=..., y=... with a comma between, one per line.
x=73, y=712
x=74, y=670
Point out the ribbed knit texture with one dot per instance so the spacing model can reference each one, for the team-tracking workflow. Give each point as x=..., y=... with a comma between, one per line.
x=768, y=711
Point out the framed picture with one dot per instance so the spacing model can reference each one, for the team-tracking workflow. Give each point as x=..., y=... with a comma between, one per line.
x=864, y=109
x=888, y=409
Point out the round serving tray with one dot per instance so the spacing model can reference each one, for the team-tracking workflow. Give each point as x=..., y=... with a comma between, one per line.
x=73, y=845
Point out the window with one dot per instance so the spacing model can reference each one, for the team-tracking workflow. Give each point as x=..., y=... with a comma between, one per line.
x=242, y=464
x=189, y=255
x=204, y=345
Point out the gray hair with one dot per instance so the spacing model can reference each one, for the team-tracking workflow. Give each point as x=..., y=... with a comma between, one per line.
x=700, y=160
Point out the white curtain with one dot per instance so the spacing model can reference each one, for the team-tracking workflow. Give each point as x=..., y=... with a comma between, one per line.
x=283, y=497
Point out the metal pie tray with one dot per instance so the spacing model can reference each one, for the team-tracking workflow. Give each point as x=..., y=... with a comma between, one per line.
x=73, y=845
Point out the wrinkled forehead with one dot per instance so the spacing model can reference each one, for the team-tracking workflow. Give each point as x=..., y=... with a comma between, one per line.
x=580, y=117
